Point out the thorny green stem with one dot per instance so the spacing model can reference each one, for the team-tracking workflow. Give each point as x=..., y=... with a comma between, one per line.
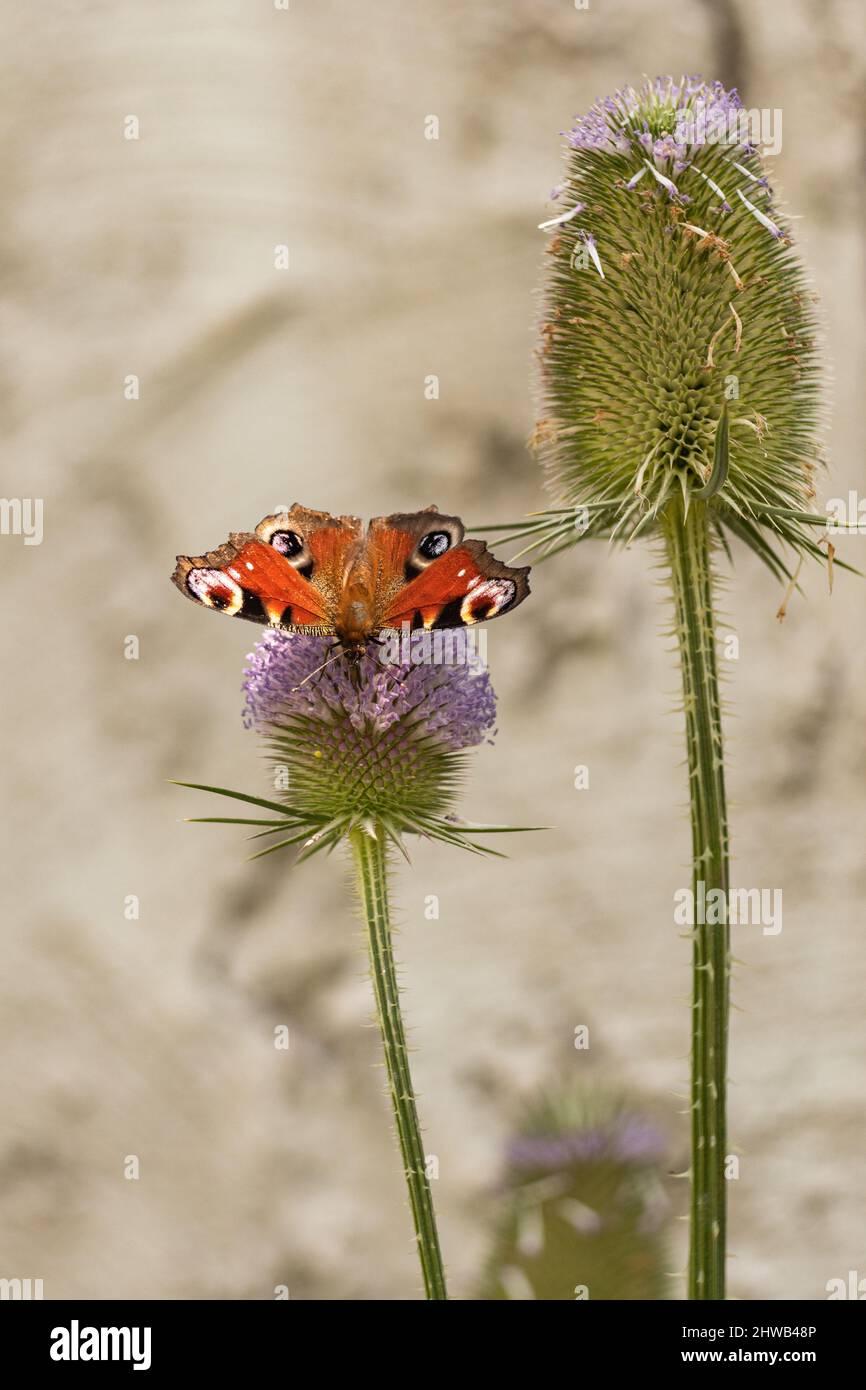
x=372, y=872
x=688, y=550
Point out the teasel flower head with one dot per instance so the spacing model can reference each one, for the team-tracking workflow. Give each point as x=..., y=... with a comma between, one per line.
x=377, y=743
x=679, y=354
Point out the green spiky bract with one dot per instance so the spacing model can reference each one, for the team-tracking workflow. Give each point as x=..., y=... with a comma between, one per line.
x=679, y=388
x=329, y=795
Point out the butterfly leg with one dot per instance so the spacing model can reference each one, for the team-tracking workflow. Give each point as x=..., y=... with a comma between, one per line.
x=336, y=649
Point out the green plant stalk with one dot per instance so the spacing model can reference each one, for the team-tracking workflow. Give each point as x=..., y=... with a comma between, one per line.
x=687, y=538
x=372, y=874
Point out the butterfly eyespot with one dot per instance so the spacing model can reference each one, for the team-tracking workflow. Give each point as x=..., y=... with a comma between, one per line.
x=288, y=543
x=434, y=544
x=487, y=600
x=215, y=589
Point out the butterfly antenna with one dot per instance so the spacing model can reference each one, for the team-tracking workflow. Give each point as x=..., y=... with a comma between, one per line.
x=330, y=659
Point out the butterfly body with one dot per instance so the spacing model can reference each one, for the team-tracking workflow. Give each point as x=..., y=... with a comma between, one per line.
x=307, y=571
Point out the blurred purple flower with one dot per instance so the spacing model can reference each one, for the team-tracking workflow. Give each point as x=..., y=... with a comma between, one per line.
x=626, y=1139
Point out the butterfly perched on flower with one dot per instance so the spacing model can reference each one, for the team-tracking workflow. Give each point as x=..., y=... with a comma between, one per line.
x=307, y=571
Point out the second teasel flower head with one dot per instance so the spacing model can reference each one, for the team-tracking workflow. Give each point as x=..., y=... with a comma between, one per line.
x=672, y=296
x=582, y=1197
x=377, y=743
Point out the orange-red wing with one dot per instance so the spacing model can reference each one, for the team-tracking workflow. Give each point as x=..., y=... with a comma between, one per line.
x=302, y=569
x=247, y=578
x=322, y=547
x=465, y=585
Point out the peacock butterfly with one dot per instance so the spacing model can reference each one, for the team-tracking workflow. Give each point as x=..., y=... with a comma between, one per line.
x=308, y=571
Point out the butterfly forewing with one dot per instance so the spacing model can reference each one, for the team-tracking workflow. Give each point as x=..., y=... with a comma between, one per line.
x=246, y=578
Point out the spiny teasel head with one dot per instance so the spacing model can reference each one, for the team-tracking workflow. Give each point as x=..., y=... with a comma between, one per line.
x=373, y=743
x=673, y=301
x=584, y=1203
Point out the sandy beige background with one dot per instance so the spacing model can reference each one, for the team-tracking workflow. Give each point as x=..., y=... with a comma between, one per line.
x=408, y=257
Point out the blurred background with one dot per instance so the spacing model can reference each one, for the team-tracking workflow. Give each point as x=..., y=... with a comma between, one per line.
x=153, y=1035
